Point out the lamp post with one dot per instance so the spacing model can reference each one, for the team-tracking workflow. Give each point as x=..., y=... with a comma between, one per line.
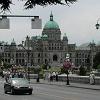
x=28, y=65
x=38, y=70
x=97, y=25
x=28, y=55
x=92, y=48
x=67, y=65
x=12, y=63
x=25, y=66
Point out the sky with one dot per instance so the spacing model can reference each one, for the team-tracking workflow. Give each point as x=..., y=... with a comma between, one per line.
x=77, y=21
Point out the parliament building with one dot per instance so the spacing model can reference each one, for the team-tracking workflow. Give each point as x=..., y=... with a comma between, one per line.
x=49, y=48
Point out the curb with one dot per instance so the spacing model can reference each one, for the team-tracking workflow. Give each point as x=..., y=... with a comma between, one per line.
x=85, y=88
x=66, y=85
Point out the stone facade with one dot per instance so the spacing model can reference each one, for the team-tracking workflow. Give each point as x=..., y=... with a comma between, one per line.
x=48, y=49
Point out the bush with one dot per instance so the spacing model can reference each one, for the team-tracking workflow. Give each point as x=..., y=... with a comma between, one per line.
x=98, y=68
x=82, y=71
x=54, y=69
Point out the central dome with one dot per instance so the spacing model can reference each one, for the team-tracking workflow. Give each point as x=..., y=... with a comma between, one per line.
x=51, y=24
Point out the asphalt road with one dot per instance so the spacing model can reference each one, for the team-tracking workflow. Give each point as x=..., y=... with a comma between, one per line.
x=52, y=92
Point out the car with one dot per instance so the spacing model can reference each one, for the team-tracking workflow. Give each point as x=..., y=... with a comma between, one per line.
x=17, y=85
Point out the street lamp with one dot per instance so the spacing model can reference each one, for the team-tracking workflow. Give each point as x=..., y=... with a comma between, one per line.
x=12, y=63
x=97, y=24
x=92, y=45
x=28, y=55
x=67, y=65
x=25, y=65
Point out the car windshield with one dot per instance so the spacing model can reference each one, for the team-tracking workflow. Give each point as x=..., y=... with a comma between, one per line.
x=19, y=81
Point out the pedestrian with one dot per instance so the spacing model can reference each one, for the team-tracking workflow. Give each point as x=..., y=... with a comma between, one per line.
x=51, y=78
x=7, y=76
x=53, y=75
x=38, y=80
x=57, y=77
x=20, y=75
x=92, y=78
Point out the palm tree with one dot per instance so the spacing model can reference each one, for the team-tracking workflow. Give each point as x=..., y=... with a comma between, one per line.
x=29, y=4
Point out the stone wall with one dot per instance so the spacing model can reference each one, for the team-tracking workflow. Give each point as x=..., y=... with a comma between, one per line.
x=78, y=79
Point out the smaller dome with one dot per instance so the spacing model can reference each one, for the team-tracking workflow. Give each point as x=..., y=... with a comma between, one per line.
x=38, y=37
x=65, y=37
x=13, y=42
x=44, y=37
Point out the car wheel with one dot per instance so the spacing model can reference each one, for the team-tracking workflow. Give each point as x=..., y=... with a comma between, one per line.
x=30, y=92
x=5, y=91
x=12, y=91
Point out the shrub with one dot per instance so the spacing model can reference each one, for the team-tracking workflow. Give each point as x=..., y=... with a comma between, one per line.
x=82, y=71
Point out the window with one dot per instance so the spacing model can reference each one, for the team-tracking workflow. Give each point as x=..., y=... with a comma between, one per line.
x=55, y=58
x=39, y=55
x=38, y=60
x=22, y=54
x=45, y=61
x=16, y=54
x=19, y=54
x=8, y=54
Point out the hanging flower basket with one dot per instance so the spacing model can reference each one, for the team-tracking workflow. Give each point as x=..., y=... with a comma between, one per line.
x=67, y=64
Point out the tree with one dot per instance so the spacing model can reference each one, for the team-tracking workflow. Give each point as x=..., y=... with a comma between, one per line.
x=7, y=66
x=29, y=4
x=96, y=60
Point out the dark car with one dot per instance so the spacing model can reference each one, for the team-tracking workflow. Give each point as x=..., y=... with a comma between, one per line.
x=17, y=85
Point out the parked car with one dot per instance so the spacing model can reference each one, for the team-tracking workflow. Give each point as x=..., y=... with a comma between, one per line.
x=17, y=85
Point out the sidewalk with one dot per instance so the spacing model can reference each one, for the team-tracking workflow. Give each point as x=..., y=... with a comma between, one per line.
x=75, y=85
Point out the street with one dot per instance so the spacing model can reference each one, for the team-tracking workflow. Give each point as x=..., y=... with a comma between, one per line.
x=52, y=92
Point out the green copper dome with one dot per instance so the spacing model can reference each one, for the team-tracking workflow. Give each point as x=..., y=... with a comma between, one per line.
x=44, y=37
x=51, y=24
x=39, y=37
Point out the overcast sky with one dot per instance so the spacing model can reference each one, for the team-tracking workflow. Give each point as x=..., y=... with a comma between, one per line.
x=77, y=21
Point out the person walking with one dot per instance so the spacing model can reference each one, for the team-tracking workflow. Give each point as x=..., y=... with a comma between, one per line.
x=92, y=78
x=57, y=77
